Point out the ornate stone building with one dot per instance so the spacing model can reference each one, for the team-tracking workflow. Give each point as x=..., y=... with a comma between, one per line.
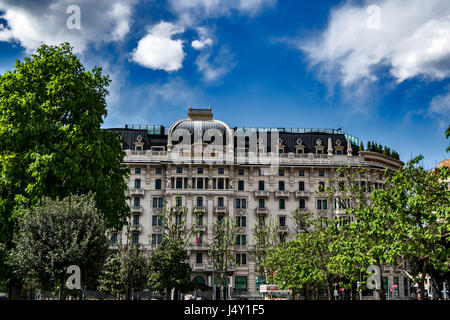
x=255, y=175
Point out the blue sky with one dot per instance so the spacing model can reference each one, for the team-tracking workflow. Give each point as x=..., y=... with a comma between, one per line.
x=378, y=69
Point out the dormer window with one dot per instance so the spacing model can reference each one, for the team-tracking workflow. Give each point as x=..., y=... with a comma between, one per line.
x=339, y=149
x=138, y=144
x=319, y=147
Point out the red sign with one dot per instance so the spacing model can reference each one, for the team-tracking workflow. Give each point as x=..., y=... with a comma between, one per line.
x=395, y=286
x=342, y=289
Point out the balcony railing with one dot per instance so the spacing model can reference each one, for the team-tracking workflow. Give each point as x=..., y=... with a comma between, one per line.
x=136, y=209
x=199, y=267
x=201, y=209
x=241, y=212
x=137, y=192
x=301, y=194
x=282, y=229
x=136, y=227
x=261, y=193
x=199, y=228
x=261, y=211
x=220, y=209
x=282, y=194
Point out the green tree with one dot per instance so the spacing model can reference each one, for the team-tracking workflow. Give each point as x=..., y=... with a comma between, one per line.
x=220, y=248
x=55, y=234
x=415, y=207
x=51, y=144
x=169, y=268
x=447, y=134
x=264, y=237
x=125, y=271
x=169, y=263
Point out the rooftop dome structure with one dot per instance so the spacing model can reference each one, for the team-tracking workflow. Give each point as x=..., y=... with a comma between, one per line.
x=199, y=127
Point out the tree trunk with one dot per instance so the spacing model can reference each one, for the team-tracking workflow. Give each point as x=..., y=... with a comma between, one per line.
x=329, y=291
x=421, y=284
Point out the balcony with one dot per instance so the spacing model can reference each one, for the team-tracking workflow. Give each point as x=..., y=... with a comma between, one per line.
x=136, y=209
x=136, y=227
x=199, y=267
x=340, y=212
x=282, y=228
x=261, y=211
x=301, y=194
x=303, y=210
x=261, y=193
x=137, y=192
x=199, y=209
x=282, y=194
x=220, y=210
x=199, y=228
x=241, y=212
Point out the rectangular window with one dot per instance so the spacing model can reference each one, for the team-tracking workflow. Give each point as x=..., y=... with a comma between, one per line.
x=179, y=184
x=321, y=173
x=301, y=173
x=220, y=202
x=260, y=172
x=281, y=173
x=138, y=148
x=321, y=204
x=240, y=172
x=301, y=186
x=220, y=184
x=220, y=171
x=137, y=170
x=158, y=184
x=243, y=221
x=261, y=185
x=238, y=240
x=405, y=287
x=200, y=184
x=137, y=183
x=155, y=202
x=179, y=170
x=153, y=238
x=243, y=239
x=114, y=238
x=158, y=170
x=386, y=285
x=160, y=202
x=135, y=238
x=299, y=151
x=199, y=170
x=136, y=220
x=199, y=201
x=282, y=221
x=200, y=220
x=281, y=185
x=137, y=201
x=244, y=203
x=154, y=220
x=238, y=259
x=240, y=185
x=244, y=258
x=238, y=203
x=319, y=151
x=240, y=283
x=321, y=186
x=262, y=204
x=199, y=258
x=282, y=204
x=301, y=204
x=159, y=238
x=179, y=201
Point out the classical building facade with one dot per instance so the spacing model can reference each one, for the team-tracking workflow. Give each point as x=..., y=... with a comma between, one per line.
x=255, y=175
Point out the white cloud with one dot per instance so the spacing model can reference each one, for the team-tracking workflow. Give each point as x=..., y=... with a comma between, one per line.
x=191, y=12
x=157, y=50
x=440, y=109
x=213, y=69
x=202, y=43
x=32, y=22
x=413, y=40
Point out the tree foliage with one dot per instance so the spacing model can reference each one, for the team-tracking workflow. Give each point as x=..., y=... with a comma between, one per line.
x=55, y=234
x=124, y=271
x=51, y=144
x=220, y=248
